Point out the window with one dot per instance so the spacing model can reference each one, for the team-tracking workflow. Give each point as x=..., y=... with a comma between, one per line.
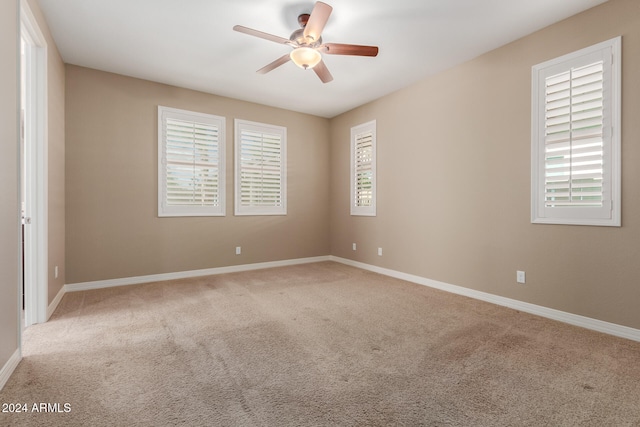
x=261, y=169
x=191, y=163
x=575, y=144
x=363, y=169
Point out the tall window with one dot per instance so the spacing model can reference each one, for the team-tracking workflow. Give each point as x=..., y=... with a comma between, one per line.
x=363, y=169
x=576, y=137
x=191, y=163
x=261, y=169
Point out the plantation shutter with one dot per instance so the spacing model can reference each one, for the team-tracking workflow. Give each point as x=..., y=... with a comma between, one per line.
x=575, y=163
x=260, y=164
x=574, y=132
x=191, y=164
x=363, y=169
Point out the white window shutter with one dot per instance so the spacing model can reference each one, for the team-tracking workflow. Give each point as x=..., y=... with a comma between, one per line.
x=576, y=137
x=260, y=169
x=191, y=167
x=363, y=169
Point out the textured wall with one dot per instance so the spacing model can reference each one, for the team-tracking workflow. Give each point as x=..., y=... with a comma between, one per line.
x=112, y=228
x=454, y=181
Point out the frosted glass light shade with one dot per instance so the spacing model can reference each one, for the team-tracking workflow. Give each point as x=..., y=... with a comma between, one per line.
x=305, y=57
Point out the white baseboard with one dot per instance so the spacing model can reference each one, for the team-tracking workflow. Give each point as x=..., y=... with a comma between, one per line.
x=9, y=367
x=99, y=284
x=572, y=319
x=54, y=304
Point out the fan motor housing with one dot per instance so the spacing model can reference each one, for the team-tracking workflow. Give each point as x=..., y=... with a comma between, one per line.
x=298, y=37
x=303, y=18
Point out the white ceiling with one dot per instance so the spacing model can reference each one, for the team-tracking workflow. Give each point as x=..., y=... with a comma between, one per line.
x=191, y=44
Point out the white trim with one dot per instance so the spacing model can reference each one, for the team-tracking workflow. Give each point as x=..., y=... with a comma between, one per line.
x=37, y=242
x=54, y=304
x=572, y=319
x=9, y=367
x=99, y=284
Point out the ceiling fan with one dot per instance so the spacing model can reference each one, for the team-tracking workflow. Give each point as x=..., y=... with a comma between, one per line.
x=307, y=44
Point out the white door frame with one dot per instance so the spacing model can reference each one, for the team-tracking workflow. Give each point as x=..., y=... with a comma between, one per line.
x=36, y=162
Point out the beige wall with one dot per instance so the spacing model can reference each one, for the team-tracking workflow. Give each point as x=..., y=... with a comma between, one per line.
x=112, y=227
x=9, y=208
x=55, y=147
x=454, y=181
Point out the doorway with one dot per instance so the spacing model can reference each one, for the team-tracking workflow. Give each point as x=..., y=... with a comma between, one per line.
x=33, y=167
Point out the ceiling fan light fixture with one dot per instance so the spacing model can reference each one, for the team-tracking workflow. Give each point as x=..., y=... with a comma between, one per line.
x=305, y=57
x=307, y=44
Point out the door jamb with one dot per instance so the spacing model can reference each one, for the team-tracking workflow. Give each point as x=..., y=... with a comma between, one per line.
x=36, y=132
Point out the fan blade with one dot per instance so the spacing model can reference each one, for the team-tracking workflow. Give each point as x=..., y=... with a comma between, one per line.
x=317, y=21
x=275, y=64
x=266, y=36
x=323, y=72
x=349, y=49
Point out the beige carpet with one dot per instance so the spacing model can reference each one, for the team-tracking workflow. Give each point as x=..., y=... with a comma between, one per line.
x=315, y=345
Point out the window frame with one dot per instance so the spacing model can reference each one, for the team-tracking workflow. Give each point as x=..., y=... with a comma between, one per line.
x=240, y=209
x=609, y=214
x=193, y=117
x=356, y=209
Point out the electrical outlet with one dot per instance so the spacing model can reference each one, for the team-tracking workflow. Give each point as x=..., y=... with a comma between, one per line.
x=379, y=251
x=55, y=272
x=354, y=246
x=238, y=250
x=520, y=277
